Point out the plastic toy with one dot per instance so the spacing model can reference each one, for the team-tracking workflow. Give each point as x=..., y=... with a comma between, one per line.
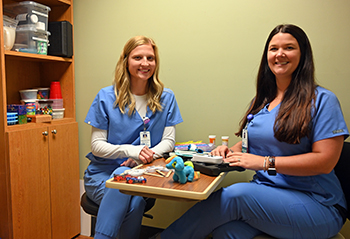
x=120, y=177
x=129, y=179
x=139, y=179
x=183, y=170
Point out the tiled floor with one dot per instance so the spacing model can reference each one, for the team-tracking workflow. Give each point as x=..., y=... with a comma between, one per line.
x=146, y=232
x=83, y=237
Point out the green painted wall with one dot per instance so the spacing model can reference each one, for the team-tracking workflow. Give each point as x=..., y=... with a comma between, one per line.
x=210, y=52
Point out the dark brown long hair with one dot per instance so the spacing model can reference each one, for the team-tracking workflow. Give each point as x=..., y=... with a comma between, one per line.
x=293, y=120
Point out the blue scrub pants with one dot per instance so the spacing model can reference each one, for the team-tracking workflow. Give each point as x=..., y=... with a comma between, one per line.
x=245, y=210
x=119, y=215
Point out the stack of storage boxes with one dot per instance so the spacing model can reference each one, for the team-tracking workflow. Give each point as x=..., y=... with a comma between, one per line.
x=31, y=33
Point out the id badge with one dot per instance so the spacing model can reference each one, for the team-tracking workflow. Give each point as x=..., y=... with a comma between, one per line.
x=145, y=138
x=244, y=141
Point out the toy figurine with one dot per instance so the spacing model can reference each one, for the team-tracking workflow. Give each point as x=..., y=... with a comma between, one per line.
x=120, y=177
x=183, y=170
x=138, y=179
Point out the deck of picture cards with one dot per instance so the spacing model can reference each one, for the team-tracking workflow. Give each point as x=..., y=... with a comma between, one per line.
x=205, y=158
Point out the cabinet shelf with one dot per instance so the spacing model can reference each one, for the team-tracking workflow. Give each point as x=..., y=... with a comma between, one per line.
x=35, y=57
x=18, y=127
x=46, y=2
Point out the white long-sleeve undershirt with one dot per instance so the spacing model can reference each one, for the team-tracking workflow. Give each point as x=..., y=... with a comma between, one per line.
x=101, y=148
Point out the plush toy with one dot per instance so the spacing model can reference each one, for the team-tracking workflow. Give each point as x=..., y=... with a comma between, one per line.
x=183, y=170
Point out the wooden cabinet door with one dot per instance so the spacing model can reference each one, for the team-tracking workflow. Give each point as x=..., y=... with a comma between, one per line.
x=30, y=183
x=64, y=178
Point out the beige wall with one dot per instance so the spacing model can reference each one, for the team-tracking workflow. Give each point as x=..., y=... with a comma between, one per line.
x=210, y=53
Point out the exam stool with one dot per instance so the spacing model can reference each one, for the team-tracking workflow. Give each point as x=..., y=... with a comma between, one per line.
x=91, y=208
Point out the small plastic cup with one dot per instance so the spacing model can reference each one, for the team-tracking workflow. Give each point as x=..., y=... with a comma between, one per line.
x=55, y=90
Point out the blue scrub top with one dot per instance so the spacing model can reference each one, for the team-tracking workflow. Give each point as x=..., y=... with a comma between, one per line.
x=125, y=129
x=327, y=122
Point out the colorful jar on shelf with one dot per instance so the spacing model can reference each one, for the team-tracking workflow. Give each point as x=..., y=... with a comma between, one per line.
x=31, y=106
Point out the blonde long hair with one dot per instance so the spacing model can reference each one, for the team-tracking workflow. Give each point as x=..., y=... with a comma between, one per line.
x=122, y=85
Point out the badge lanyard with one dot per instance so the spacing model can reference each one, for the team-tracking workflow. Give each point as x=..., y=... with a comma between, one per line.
x=245, y=134
x=145, y=135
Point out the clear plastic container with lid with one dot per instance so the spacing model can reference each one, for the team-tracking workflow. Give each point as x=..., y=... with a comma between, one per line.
x=32, y=40
x=29, y=13
x=58, y=113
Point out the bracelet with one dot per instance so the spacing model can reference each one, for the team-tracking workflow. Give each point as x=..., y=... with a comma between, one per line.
x=264, y=166
x=271, y=161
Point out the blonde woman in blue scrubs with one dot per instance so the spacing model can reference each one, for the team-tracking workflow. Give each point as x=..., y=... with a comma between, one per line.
x=295, y=137
x=136, y=104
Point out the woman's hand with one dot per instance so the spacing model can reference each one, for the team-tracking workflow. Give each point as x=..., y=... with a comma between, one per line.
x=221, y=150
x=245, y=160
x=129, y=163
x=146, y=155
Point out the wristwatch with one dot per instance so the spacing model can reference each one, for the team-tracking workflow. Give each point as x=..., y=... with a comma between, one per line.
x=272, y=169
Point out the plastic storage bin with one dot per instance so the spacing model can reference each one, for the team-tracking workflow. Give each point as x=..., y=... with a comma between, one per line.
x=43, y=93
x=29, y=39
x=29, y=13
x=9, y=32
x=28, y=94
x=58, y=113
x=45, y=103
x=57, y=103
x=45, y=107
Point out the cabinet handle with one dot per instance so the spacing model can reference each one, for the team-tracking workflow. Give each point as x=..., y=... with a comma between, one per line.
x=54, y=131
x=45, y=133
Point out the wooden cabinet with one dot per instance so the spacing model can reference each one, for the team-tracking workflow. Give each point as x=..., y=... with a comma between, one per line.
x=64, y=180
x=30, y=185
x=39, y=162
x=43, y=163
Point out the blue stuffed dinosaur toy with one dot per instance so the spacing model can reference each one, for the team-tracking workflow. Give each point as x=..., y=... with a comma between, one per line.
x=183, y=170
